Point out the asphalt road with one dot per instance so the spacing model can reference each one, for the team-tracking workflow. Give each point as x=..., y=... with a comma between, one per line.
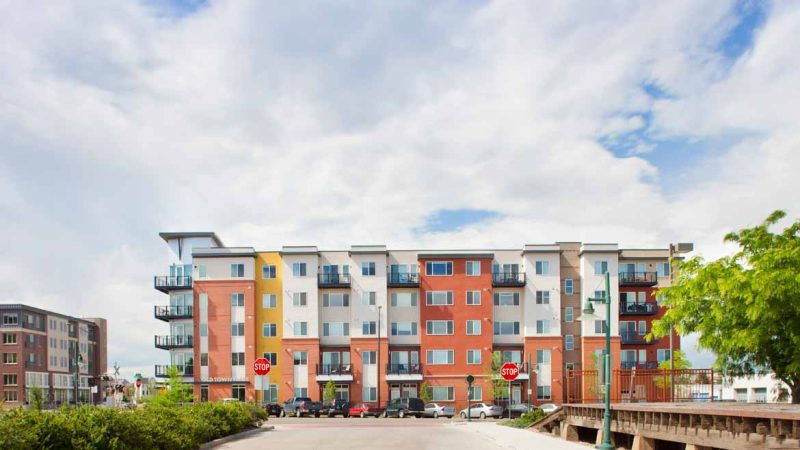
x=372, y=433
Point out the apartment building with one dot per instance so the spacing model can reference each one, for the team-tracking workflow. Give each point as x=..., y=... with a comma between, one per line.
x=51, y=351
x=379, y=323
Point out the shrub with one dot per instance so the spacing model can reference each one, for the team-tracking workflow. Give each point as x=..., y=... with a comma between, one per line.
x=525, y=420
x=88, y=427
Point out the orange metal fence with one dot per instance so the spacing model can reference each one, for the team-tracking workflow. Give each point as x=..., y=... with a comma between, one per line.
x=646, y=385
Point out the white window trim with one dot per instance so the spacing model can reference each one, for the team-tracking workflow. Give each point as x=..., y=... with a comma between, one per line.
x=440, y=334
x=467, y=265
x=480, y=327
x=452, y=268
x=440, y=350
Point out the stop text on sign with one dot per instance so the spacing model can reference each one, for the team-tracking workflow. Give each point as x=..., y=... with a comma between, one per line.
x=509, y=371
x=261, y=366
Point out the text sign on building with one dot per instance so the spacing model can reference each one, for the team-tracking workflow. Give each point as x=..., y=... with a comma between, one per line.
x=509, y=371
x=261, y=366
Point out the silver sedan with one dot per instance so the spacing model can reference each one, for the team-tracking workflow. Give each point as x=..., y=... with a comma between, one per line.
x=482, y=410
x=437, y=410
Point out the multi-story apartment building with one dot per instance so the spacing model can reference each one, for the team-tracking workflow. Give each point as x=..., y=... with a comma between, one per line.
x=378, y=322
x=41, y=349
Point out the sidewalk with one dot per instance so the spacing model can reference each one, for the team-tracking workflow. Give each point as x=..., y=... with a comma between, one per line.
x=515, y=438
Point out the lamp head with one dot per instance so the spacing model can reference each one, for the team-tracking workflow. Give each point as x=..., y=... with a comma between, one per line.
x=588, y=312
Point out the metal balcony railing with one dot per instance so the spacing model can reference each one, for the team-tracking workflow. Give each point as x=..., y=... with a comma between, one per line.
x=404, y=369
x=169, y=342
x=167, y=283
x=402, y=280
x=631, y=337
x=334, y=369
x=173, y=312
x=638, y=309
x=508, y=279
x=639, y=365
x=162, y=371
x=638, y=279
x=333, y=280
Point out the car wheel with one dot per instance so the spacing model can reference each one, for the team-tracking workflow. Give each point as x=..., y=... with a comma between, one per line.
x=463, y=416
x=363, y=415
x=483, y=415
x=401, y=414
x=435, y=414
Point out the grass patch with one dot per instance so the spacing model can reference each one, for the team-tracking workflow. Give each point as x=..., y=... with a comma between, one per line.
x=525, y=420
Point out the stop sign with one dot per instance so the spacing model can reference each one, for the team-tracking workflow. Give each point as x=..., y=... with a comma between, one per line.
x=509, y=371
x=139, y=383
x=261, y=366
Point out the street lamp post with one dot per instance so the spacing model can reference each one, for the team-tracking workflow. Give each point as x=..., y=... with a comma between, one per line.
x=379, y=356
x=588, y=314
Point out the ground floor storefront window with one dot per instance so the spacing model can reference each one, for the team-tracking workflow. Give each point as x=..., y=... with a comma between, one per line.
x=237, y=392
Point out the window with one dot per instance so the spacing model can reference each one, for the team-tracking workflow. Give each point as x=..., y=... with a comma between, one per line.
x=442, y=393
x=404, y=328
x=368, y=269
x=473, y=297
x=439, y=268
x=543, y=357
x=569, y=342
x=599, y=326
x=641, y=297
x=369, y=394
x=237, y=299
x=404, y=299
x=569, y=287
x=600, y=294
x=335, y=299
x=570, y=366
x=299, y=299
x=237, y=329
x=11, y=338
x=642, y=327
x=542, y=297
x=439, y=327
x=543, y=392
x=204, y=359
x=204, y=393
x=662, y=355
x=237, y=358
x=268, y=272
x=9, y=358
x=203, y=329
x=237, y=270
x=269, y=300
x=568, y=314
x=11, y=319
x=440, y=356
x=473, y=327
x=300, y=358
x=542, y=267
x=600, y=267
x=272, y=357
x=473, y=356
x=300, y=328
x=368, y=298
x=642, y=355
x=299, y=269
x=369, y=357
x=335, y=329
x=514, y=356
x=237, y=392
x=202, y=271
x=542, y=326
x=506, y=299
x=506, y=328
x=473, y=268
x=662, y=269
x=439, y=298
x=475, y=393
x=269, y=329
x=301, y=392
x=369, y=328
x=10, y=396
x=9, y=379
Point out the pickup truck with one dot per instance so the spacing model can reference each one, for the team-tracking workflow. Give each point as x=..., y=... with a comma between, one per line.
x=338, y=407
x=299, y=406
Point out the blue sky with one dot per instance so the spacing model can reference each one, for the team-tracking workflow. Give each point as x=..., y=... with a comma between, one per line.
x=414, y=124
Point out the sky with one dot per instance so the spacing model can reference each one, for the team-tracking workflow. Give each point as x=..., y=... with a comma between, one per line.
x=441, y=124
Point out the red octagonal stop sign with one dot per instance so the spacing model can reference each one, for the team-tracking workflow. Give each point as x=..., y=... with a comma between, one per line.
x=509, y=371
x=261, y=366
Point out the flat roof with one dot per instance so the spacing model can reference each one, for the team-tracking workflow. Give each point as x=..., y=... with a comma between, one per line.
x=10, y=306
x=167, y=235
x=223, y=252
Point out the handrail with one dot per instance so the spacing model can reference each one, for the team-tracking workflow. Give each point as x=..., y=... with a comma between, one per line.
x=334, y=369
x=638, y=277
x=333, y=278
x=508, y=278
x=404, y=369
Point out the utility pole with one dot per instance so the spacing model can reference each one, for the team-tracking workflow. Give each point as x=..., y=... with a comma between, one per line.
x=671, y=331
x=379, y=356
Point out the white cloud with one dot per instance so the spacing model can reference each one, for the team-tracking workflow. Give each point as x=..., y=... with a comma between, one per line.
x=275, y=123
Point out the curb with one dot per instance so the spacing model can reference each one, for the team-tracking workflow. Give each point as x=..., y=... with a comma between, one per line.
x=234, y=437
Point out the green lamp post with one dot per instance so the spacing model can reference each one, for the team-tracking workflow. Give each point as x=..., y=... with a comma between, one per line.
x=588, y=314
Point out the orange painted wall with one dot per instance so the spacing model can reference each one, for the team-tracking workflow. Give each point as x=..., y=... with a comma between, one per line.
x=555, y=345
x=357, y=347
x=657, y=344
x=286, y=363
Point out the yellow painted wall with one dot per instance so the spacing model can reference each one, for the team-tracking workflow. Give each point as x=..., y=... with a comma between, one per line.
x=270, y=315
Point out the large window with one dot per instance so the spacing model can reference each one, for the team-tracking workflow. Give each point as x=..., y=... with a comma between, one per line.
x=439, y=327
x=439, y=298
x=9, y=379
x=600, y=267
x=569, y=342
x=270, y=329
x=268, y=272
x=662, y=269
x=270, y=395
x=335, y=329
x=542, y=356
x=272, y=357
x=542, y=326
x=300, y=328
x=299, y=269
x=10, y=396
x=543, y=392
x=662, y=355
x=269, y=300
x=237, y=392
x=442, y=393
x=368, y=269
x=404, y=299
x=11, y=338
x=568, y=314
x=473, y=297
x=368, y=298
x=599, y=326
x=237, y=270
x=9, y=358
x=237, y=299
x=440, y=356
x=569, y=287
x=600, y=293
x=299, y=299
x=369, y=328
x=300, y=358
x=370, y=394
x=473, y=327
x=473, y=268
x=475, y=393
x=474, y=356
x=369, y=357
x=506, y=328
x=404, y=328
x=301, y=392
x=542, y=297
x=237, y=358
x=514, y=356
x=542, y=267
x=506, y=299
x=335, y=299
x=439, y=268
x=237, y=329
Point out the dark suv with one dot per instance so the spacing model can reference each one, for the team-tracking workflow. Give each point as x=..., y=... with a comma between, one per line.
x=402, y=407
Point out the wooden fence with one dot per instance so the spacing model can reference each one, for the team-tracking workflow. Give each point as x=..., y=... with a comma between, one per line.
x=643, y=385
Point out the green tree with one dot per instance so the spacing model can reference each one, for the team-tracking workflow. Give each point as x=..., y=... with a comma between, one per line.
x=37, y=398
x=498, y=386
x=425, y=392
x=745, y=307
x=680, y=362
x=329, y=394
x=176, y=392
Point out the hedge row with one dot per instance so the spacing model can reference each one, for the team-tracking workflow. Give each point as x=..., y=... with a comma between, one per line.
x=153, y=427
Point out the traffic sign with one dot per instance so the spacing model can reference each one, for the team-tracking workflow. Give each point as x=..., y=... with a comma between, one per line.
x=261, y=366
x=139, y=383
x=509, y=371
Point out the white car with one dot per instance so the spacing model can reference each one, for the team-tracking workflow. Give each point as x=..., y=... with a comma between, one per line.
x=437, y=410
x=548, y=407
x=482, y=410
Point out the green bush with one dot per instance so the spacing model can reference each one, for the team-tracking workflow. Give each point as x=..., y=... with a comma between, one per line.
x=153, y=427
x=525, y=420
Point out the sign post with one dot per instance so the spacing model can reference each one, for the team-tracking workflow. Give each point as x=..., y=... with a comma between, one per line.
x=261, y=367
x=509, y=371
x=470, y=380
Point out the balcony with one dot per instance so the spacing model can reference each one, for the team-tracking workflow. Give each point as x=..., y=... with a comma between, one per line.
x=402, y=280
x=170, y=342
x=404, y=372
x=334, y=372
x=641, y=365
x=169, y=283
x=167, y=313
x=508, y=279
x=633, y=338
x=638, y=279
x=333, y=280
x=183, y=370
x=637, y=309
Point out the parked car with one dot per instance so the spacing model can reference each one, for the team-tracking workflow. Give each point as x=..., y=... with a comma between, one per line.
x=300, y=406
x=437, y=410
x=482, y=410
x=364, y=410
x=273, y=409
x=402, y=407
x=518, y=409
x=548, y=407
x=339, y=407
